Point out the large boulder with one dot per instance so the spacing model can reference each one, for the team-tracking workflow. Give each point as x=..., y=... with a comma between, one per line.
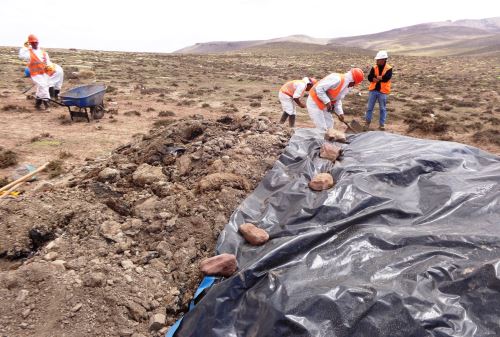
x=220, y=265
x=322, y=181
x=329, y=151
x=254, y=235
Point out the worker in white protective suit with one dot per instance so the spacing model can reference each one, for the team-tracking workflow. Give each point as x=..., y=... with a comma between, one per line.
x=39, y=68
x=55, y=81
x=326, y=96
x=289, y=96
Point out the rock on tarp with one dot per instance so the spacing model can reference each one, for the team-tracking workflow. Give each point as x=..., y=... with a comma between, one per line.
x=407, y=243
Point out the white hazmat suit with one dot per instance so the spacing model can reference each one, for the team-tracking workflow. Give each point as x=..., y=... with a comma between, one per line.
x=322, y=118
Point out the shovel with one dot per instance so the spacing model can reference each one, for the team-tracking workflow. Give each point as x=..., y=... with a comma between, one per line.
x=354, y=125
x=27, y=89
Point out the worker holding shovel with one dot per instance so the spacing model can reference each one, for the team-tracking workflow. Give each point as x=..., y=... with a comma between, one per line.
x=289, y=96
x=326, y=96
x=40, y=69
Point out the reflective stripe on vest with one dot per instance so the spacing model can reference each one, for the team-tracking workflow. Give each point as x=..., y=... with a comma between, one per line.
x=37, y=66
x=332, y=93
x=385, y=87
x=289, y=88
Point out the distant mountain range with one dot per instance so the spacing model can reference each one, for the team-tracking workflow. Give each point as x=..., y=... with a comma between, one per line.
x=461, y=37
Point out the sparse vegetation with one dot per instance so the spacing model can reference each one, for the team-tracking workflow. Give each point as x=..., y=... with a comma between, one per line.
x=7, y=158
x=166, y=113
x=55, y=168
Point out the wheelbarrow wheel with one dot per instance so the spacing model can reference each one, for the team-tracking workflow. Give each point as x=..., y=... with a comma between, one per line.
x=97, y=111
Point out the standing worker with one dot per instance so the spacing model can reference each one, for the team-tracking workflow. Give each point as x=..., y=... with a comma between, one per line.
x=380, y=86
x=40, y=71
x=55, y=81
x=326, y=96
x=290, y=94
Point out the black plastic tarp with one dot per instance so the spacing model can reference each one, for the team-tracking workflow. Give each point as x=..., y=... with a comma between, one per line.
x=407, y=243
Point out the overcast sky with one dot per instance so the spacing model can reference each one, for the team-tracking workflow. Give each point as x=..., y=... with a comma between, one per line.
x=165, y=26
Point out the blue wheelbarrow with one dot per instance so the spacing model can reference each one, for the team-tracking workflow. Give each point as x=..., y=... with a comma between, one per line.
x=85, y=99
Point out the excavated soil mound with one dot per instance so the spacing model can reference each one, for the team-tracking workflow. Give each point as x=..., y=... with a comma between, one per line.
x=120, y=239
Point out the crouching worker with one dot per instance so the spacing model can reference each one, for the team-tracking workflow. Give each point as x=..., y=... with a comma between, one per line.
x=326, y=96
x=289, y=96
x=38, y=61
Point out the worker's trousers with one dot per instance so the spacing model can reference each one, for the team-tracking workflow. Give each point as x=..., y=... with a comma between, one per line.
x=56, y=80
x=322, y=119
x=373, y=97
x=287, y=104
x=42, y=86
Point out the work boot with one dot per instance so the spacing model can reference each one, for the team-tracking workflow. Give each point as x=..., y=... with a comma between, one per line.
x=367, y=126
x=38, y=104
x=283, y=117
x=56, y=94
x=291, y=121
x=51, y=92
x=381, y=127
x=46, y=104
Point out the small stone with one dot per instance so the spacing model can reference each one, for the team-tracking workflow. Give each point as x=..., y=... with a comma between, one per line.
x=53, y=245
x=23, y=325
x=59, y=264
x=111, y=230
x=220, y=265
x=127, y=264
x=109, y=174
x=322, y=181
x=335, y=135
x=43, y=186
x=94, y=280
x=128, y=278
x=77, y=307
x=136, y=311
x=164, y=249
x=23, y=294
x=25, y=313
x=254, y=235
x=156, y=322
x=147, y=174
x=139, y=270
x=329, y=151
x=184, y=165
x=225, y=159
x=246, y=150
x=125, y=332
x=51, y=256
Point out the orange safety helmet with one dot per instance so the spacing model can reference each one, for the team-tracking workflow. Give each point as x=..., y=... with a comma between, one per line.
x=32, y=38
x=357, y=75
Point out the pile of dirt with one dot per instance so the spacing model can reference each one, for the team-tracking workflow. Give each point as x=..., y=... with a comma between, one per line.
x=118, y=241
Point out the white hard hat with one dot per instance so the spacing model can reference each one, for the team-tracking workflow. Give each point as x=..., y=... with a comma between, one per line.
x=381, y=55
x=307, y=80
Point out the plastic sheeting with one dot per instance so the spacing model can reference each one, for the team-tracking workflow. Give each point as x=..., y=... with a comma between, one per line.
x=407, y=243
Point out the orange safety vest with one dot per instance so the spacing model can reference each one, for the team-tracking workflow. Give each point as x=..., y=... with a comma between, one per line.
x=385, y=87
x=332, y=93
x=37, y=66
x=289, y=88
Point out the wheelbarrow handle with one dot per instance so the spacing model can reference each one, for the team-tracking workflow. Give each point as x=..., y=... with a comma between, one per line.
x=57, y=102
